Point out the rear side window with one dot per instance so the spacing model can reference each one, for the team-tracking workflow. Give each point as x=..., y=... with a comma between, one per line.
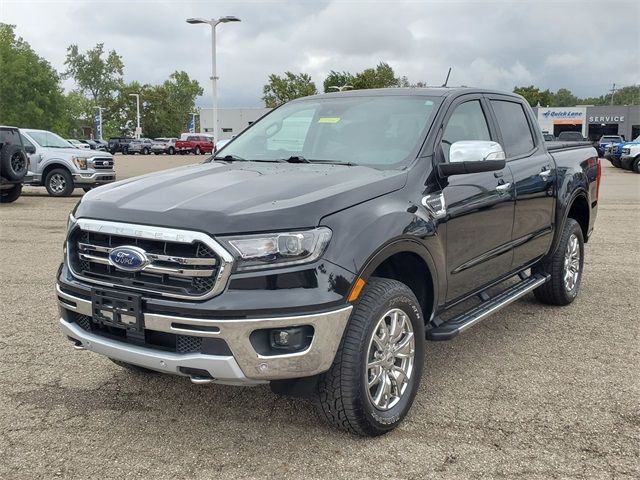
x=513, y=124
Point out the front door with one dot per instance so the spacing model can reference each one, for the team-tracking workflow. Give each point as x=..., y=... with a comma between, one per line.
x=479, y=206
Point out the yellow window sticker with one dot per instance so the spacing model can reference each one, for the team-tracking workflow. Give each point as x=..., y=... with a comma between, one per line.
x=328, y=119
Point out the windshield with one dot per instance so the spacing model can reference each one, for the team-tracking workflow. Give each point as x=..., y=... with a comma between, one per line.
x=610, y=139
x=48, y=139
x=380, y=131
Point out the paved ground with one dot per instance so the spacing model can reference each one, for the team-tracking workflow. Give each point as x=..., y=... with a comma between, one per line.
x=534, y=392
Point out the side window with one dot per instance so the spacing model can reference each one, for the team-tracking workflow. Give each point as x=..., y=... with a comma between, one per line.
x=516, y=134
x=467, y=122
x=26, y=142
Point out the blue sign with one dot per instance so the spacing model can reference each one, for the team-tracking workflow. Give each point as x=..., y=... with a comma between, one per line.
x=192, y=124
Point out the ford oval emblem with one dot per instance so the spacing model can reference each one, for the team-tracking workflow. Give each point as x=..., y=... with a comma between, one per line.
x=129, y=259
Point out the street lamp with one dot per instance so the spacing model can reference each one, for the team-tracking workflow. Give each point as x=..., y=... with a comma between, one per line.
x=138, y=129
x=214, y=78
x=340, y=89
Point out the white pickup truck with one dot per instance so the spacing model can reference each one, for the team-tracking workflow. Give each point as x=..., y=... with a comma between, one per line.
x=58, y=166
x=630, y=158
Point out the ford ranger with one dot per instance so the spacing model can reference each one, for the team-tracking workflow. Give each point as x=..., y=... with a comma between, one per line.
x=321, y=248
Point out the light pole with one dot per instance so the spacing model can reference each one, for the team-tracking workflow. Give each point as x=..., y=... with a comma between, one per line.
x=100, y=109
x=138, y=129
x=340, y=89
x=214, y=78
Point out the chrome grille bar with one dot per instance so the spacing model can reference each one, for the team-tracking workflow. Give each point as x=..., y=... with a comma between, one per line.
x=154, y=256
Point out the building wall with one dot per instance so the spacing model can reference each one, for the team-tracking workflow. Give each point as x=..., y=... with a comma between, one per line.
x=231, y=121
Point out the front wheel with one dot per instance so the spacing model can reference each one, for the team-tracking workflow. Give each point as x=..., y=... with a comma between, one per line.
x=197, y=151
x=172, y=151
x=564, y=268
x=636, y=165
x=376, y=372
x=59, y=183
x=9, y=195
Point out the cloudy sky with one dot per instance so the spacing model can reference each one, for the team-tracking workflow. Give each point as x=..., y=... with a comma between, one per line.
x=582, y=45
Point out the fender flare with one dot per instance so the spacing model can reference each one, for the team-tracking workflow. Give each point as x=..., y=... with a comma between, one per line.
x=403, y=245
x=565, y=215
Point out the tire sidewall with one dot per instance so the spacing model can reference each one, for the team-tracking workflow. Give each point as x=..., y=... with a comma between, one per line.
x=389, y=419
x=69, y=188
x=7, y=155
x=577, y=231
x=11, y=194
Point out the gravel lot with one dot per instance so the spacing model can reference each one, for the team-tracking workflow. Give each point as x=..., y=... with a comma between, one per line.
x=533, y=392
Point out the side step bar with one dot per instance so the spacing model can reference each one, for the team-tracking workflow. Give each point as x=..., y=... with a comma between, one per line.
x=453, y=327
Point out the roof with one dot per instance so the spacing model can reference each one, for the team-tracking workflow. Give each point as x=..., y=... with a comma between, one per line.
x=404, y=91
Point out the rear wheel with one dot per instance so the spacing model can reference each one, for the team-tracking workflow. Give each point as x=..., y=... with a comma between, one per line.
x=145, y=151
x=171, y=150
x=197, y=152
x=564, y=268
x=9, y=195
x=376, y=372
x=636, y=165
x=59, y=183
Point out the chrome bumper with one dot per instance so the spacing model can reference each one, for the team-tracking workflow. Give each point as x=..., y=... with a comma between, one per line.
x=106, y=176
x=246, y=366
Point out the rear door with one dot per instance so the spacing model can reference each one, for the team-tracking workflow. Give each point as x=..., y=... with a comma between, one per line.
x=534, y=174
x=479, y=206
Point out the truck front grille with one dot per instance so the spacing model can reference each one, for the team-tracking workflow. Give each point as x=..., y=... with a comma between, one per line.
x=103, y=163
x=183, y=267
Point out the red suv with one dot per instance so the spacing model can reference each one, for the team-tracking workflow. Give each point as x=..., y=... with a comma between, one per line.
x=195, y=143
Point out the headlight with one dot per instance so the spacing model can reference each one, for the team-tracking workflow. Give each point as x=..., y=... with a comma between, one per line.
x=80, y=162
x=626, y=151
x=254, y=252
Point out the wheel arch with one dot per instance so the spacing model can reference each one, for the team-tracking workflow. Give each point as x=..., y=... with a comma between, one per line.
x=410, y=263
x=52, y=166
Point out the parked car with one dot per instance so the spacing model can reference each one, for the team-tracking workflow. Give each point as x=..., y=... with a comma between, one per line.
x=140, y=145
x=548, y=137
x=14, y=164
x=607, y=140
x=78, y=144
x=630, y=157
x=571, y=137
x=101, y=145
x=61, y=168
x=119, y=144
x=164, y=145
x=323, y=269
x=195, y=144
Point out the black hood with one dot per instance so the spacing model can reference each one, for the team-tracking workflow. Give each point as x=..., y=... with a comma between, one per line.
x=239, y=197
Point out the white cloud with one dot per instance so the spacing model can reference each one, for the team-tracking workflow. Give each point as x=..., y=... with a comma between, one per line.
x=496, y=44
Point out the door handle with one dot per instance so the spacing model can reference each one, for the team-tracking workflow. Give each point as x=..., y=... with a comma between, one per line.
x=503, y=188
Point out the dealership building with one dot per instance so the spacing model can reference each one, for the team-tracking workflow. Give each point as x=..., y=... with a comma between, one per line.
x=591, y=121
x=231, y=121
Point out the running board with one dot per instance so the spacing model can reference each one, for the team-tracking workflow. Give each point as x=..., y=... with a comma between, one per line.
x=451, y=328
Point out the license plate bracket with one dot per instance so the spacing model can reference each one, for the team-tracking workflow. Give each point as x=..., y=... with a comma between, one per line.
x=117, y=309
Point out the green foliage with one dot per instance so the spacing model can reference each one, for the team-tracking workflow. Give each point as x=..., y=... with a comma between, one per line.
x=280, y=90
x=564, y=98
x=382, y=76
x=337, y=79
x=629, y=95
x=30, y=93
x=535, y=96
x=95, y=72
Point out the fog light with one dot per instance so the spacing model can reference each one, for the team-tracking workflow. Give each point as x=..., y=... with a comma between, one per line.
x=290, y=338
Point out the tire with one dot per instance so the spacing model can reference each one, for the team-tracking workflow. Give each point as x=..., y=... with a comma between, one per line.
x=13, y=162
x=615, y=162
x=59, y=183
x=131, y=367
x=564, y=268
x=172, y=151
x=11, y=194
x=635, y=166
x=145, y=151
x=197, y=151
x=342, y=397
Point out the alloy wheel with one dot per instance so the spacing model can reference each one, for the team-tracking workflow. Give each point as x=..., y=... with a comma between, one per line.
x=572, y=263
x=57, y=183
x=390, y=359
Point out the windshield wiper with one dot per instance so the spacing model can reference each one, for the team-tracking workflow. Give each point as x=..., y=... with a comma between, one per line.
x=295, y=159
x=334, y=162
x=229, y=158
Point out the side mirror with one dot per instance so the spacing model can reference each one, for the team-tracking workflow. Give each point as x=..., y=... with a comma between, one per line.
x=30, y=149
x=473, y=156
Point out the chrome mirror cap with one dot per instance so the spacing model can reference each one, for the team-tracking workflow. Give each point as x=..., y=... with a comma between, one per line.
x=475, y=151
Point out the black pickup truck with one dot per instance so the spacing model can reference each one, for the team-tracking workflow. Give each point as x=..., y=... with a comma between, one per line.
x=324, y=246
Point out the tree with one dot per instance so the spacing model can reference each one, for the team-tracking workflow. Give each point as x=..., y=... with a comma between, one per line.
x=564, y=98
x=100, y=77
x=382, y=76
x=30, y=92
x=282, y=89
x=535, y=96
x=338, y=79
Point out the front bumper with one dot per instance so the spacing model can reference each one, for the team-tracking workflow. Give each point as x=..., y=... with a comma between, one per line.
x=94, y=178
x=244, y=366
